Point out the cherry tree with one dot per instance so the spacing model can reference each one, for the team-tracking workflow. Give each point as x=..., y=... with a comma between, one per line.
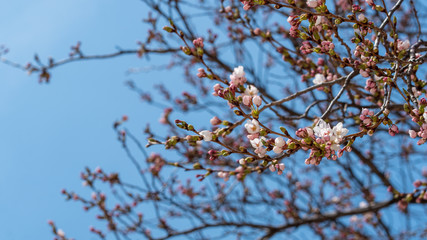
x=295, y=119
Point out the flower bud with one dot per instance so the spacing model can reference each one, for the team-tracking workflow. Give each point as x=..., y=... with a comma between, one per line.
x=257, y=100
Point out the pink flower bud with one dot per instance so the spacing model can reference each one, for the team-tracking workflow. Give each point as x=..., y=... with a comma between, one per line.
x=217, y=87
x=312, y=3
x=198, y=42
x=201, y=73
x=247, y=100
x=412, y=133
x=364, y=73
x=417, y=183
x=61, y=233
x=215, y=121
x=361, y=17
x=393, y=130
x=403, y=45
x=367, y=121
x=257, y=100
x=242, y=161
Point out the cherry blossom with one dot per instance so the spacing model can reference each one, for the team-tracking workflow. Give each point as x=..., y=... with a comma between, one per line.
x=251, y=90
x=319, y=79
x=339, y=131
x=412, y=133
x=238, y=76
x=252, y=126
x=207, y=135
x=323, y=130
x=403, y=45
x=257, y=142
x=279, y=143
x=334, y=135
x=312, y=3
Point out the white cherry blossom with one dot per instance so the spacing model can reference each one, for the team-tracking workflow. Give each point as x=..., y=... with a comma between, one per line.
x=256, y=143
x=319, y=78
x=279, y=143
x=322, y=130
x=252, y=126
x=207, y=135
x=334, y=136
x=251, y=90
x=339, y=131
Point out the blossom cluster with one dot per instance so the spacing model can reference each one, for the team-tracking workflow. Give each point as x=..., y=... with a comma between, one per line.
x=421, y=119
x=323, y=141
x=248, y=95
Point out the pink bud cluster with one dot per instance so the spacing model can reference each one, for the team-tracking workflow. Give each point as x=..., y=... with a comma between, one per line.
x=201, y=73
x=393, y=130
x=370, y=3
x=421, y=120
x=240, y=172
x=188, y=190
x=157, y=163
x=295, y=22
x=326, y=46
x=248, y=95
x=371, y=86
x=306, y=47
x=279, y=167
x=164, y=119
x=198, y=42
x=366, y=117
x=218, y=90
x=247, y=4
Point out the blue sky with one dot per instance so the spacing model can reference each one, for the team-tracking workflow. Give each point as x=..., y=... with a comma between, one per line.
x=49, y=133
